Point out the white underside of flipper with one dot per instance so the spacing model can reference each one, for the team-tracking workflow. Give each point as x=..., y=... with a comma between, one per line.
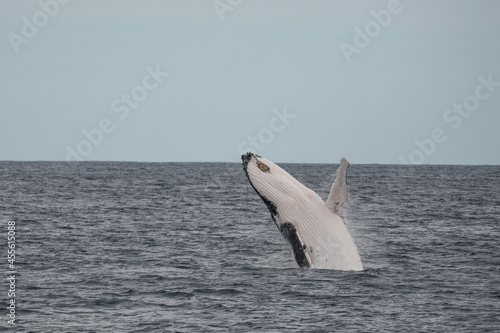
x=318, y=236
x=338, y=193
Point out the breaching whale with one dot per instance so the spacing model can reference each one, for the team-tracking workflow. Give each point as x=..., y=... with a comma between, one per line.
x=312, y=227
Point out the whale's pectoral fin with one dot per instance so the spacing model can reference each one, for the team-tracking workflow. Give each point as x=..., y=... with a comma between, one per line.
x=338, y=193
x=289, y=231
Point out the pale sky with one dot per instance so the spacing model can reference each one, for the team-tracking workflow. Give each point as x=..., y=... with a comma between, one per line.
x=292, y=80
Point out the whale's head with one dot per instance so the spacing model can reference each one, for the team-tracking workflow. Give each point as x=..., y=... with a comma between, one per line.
x=275, y=186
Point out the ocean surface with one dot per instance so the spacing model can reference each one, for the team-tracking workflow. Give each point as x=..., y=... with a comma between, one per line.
x=190, y=247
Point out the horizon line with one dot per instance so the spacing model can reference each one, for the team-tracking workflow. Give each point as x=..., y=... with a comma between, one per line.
x=130, y=161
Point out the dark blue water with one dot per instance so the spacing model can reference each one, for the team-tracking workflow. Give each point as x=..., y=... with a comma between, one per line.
x=190, y=247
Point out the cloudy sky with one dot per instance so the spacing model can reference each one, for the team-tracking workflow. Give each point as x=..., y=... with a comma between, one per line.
x=295, y=81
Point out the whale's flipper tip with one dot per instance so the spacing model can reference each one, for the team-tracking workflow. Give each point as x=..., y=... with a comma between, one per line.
x=338, y=194
x=344, y=163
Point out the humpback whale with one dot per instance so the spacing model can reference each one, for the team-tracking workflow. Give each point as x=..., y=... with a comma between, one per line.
x=313, y=228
